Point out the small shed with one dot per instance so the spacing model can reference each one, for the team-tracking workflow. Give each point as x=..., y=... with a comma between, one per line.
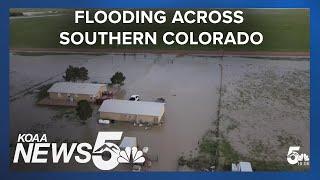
x=128, y=142
x=245, y=167
x=242, y=167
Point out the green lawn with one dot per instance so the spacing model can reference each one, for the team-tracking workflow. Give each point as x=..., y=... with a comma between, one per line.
x=283, y=30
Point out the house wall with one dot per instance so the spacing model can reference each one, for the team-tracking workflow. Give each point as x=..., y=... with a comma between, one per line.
x=64, y=96
x=130, y=117
x=77, y=97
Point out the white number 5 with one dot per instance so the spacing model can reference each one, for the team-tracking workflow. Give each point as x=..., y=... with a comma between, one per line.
x=293, y=155
x=102, y=145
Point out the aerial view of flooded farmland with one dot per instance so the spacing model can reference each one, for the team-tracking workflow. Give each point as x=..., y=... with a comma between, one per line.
x=177, y=108
x=264, y=103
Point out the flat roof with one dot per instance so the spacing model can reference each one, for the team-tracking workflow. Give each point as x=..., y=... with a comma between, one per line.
x=75, y=88
x=128, y=142
x=132, y=107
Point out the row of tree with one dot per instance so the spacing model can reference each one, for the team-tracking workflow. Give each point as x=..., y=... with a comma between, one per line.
x=74, y=74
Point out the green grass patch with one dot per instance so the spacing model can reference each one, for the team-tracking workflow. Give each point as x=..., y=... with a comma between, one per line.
x=205, y=158
x=276, y=166
x=208, y=146
x=228, y=153
x=200, y=162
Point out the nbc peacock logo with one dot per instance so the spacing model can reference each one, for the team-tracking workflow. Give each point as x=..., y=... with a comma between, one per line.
x=131, y=155
x=103, y=145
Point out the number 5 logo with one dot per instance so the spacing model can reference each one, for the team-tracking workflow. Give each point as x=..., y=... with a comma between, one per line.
x=102, y=146
x=293, y=155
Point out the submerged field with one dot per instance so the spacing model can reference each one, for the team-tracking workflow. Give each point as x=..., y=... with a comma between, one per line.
x=264, y=105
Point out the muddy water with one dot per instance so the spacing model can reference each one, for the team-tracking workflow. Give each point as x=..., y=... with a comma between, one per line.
x=188, y=84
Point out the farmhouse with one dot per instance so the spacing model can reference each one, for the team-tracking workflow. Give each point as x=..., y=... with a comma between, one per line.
x=74, y=92
x=132, y=111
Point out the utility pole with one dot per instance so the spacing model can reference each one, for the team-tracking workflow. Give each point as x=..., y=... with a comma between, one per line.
x=219, y=114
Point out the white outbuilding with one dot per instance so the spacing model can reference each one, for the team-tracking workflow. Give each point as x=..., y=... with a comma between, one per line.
x=128, y=142
x=132, y=111
x=242, y=167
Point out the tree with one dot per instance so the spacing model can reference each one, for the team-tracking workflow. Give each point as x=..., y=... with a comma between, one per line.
x=118, y=78
x=84, y=110
x=76, y=73
x=16, y=13
x=43, y=91
x=70, y=74
x=83, y=74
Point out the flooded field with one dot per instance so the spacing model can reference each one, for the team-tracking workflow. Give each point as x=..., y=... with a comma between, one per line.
x=264, y=102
